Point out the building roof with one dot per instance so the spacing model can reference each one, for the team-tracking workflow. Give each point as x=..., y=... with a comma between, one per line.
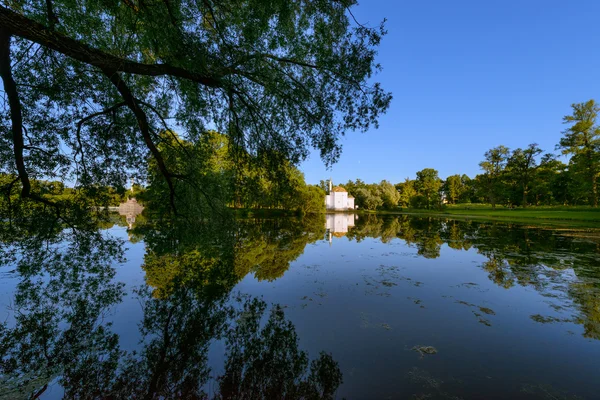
x=338, y=189
x=350, y=196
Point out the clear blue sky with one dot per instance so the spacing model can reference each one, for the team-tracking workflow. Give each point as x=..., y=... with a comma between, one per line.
x=467, y=76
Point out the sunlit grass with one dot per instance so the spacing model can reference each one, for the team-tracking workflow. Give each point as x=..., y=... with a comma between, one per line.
x=565, y=216
x=582, y=213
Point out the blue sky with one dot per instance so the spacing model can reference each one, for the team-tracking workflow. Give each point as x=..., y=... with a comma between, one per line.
x=467, y=76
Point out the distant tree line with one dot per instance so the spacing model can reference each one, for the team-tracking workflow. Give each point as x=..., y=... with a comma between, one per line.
x=58, y=192
x=517, y=178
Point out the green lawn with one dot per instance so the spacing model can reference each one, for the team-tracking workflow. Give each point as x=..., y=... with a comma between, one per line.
x=576, y=216
x=564, y=213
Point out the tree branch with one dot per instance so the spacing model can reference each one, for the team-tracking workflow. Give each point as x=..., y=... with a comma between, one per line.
x=16, y=116
x=18, y=25
x=164, y=123
x=142, y=121
x=16, y=112
x=131, y=5
x=52, y=17
x=80, y=125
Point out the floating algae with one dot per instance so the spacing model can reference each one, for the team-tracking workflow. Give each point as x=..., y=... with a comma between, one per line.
x=424, y=350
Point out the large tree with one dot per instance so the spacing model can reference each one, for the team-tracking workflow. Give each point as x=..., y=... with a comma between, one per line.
x=493, y=166
x=89, y=85
x=453, y=188
x=545, y=187
x=407, y=191
x=582, y=142
x=428, y=185
x=389, y=195
x=368, y=198
x=522, y=165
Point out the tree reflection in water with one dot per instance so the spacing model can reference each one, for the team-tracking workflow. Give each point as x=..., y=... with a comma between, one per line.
x=516, y=255
x=61, y=330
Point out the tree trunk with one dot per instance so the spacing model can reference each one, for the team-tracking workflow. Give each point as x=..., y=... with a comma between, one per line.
x=525, y=192
x=592, y=173
x=491, y=190
x=594, y=191
x=16, y=116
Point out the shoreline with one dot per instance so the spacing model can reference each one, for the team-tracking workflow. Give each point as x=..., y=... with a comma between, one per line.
x=545, y=218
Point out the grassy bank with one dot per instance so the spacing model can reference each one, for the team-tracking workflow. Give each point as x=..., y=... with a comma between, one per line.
x=545, y=215
x=559, y=216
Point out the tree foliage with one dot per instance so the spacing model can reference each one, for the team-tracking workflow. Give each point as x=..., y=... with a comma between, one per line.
x=91, y=86
x=453, y=188
x=521, y=167
x=225, y=178
x=582, y=142
x=389, y=195
x=493, y=167
x=407, y=191
x=428, y=186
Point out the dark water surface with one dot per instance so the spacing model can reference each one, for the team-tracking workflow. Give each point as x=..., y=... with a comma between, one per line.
x=372, y=308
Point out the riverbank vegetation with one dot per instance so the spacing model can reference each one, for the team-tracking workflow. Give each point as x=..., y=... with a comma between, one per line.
x=523, y=177
x=227, y=177
x=572, y=216
x=93, y=93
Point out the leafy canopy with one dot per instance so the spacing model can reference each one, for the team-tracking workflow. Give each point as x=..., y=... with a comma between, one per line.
x=90, y=85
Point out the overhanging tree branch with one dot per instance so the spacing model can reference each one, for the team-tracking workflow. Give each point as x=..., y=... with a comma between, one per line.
x=142, y=121
x=83, y=121
x=18, y=25
x=52, y=17
x=16, y=112
x=16, y=116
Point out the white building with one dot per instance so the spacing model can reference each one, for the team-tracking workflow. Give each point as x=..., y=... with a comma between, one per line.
x=338, y=199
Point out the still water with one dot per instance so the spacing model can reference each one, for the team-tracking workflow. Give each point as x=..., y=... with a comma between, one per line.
x=338, y=306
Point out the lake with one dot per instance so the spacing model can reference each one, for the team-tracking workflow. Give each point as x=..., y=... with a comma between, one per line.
x=335, y=306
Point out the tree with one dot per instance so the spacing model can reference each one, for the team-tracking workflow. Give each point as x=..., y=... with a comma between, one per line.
x=494, y=164
x=545, y=185
x=468, y=194
x=323, y=185
x=389, y=195
x=100, y=81
x=453, y=188
x=206, y=162
x=582, y=141
x=407, y=191
x=353, y=186
x=522, y=165
x=428, y=185
x=366, y=199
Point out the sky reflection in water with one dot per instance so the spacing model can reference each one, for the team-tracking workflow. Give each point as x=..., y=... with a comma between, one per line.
x=298, y=306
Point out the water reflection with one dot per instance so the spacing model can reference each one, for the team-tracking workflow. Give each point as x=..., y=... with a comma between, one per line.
x=130, y=209
x=337, y=225
x=61, y=328
x=534, y=257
